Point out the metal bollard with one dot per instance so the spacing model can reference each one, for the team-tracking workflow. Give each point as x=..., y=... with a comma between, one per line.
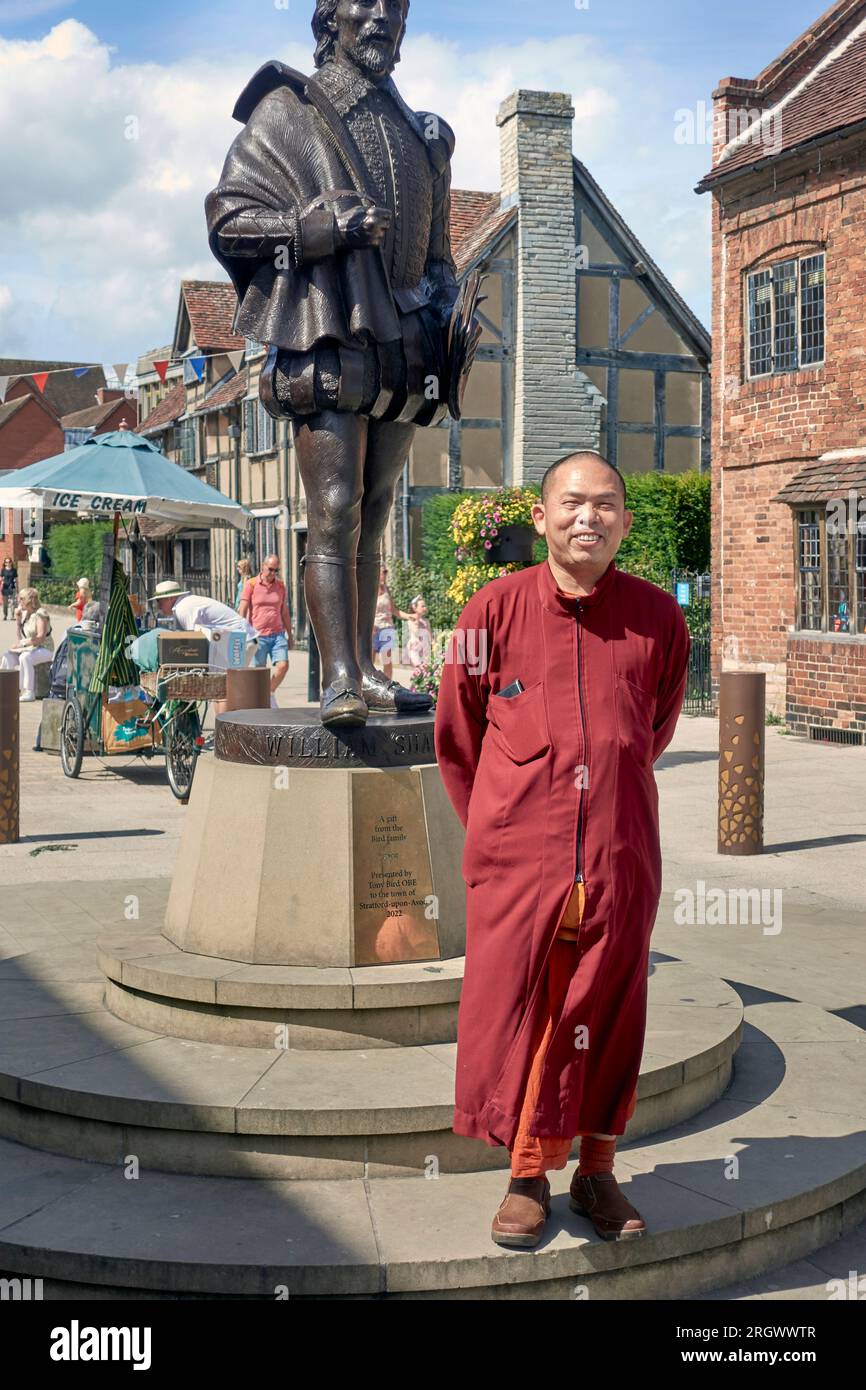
x=10, y=771
x=742, y=705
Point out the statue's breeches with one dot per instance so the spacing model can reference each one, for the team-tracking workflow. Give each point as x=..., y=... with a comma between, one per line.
x=402, y=380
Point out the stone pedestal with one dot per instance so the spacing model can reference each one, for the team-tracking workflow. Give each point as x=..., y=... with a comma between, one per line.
x=305, y=846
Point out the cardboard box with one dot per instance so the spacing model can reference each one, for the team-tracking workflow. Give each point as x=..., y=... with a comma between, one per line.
x=228, y=649
x=183, y=649
x=120, y=733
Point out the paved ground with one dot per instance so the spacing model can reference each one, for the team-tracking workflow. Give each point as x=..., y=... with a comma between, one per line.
x=120, y=823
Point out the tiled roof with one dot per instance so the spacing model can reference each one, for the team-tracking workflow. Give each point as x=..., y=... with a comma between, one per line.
x=158, y=530
x=827, y=99
x=64, y=391
x=8, y=409
x=225, y=394
x=828, y=479
x=94, y=416
x=170, y=408
x=211, y=307
x=476, y=220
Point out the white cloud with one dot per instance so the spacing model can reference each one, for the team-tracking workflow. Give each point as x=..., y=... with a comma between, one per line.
x=101, y=227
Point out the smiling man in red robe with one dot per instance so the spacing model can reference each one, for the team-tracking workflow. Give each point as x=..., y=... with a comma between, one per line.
x=546, y=749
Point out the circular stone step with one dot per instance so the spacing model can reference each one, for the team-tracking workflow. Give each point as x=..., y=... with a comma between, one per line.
x=799, y=1183
x=155, y=985
x=201, y=1107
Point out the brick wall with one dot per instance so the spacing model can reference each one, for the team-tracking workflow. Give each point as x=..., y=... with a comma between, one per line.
x=826, y=684
x=32, y=433
x=765, y=430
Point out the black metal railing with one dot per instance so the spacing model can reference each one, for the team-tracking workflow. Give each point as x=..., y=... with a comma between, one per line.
x=693, y=593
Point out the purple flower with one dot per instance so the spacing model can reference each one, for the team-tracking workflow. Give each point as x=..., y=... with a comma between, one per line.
x=488, y=545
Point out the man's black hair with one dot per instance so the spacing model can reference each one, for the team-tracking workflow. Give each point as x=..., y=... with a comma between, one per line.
x=580, y=453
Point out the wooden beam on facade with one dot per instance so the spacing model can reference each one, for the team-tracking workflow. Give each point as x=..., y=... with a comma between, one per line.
x=649, y=361
x=639, y=321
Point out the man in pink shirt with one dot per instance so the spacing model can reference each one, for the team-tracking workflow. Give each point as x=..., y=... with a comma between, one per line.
x=264, y=603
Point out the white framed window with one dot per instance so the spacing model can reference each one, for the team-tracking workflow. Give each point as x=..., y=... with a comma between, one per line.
x=186, y=443
x=785, y=316
x=259, y=428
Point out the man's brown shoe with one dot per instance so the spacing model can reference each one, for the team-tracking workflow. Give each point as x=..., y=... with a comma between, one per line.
x=597, y=1196
x=522, y=1213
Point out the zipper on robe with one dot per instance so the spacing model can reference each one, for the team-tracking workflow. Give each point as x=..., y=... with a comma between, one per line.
x=579, y=874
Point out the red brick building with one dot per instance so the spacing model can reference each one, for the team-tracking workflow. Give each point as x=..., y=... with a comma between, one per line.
x=35, y=424
x=29, y=431
x=789, y=379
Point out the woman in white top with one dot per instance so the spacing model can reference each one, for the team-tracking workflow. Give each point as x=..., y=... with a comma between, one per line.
x=34, y=646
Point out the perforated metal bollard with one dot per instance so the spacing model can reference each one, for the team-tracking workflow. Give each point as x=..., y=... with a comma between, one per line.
x=742, y=706
x=10, y=771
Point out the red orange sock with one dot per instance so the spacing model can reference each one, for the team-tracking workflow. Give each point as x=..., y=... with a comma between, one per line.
x=596, y=1155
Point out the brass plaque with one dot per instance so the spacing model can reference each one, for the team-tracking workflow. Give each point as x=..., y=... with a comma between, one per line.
x=396, y=917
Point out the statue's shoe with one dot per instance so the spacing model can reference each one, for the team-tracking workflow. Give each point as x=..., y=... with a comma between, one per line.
x=342, y=704
x=389, y=697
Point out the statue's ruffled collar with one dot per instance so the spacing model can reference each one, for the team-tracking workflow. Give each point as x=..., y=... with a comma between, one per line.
x=347, y=86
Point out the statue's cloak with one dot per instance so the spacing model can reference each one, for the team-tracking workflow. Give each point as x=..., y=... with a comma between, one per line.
x=286, y=158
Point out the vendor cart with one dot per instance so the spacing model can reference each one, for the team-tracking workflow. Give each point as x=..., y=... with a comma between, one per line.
x=115, y=721
x=108, y=709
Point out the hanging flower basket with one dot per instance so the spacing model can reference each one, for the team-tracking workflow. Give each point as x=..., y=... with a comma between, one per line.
x=513, y=545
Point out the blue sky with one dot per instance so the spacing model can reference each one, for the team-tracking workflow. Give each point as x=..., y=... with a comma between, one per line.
x=700, y=41
x=103, y=226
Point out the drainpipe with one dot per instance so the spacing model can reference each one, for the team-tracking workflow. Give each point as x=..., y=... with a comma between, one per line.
x=234, y=433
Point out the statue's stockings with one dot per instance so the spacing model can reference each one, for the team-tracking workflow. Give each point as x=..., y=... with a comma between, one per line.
x=349, y=466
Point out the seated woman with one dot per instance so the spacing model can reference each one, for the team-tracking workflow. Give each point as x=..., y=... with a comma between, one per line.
x=34, y=645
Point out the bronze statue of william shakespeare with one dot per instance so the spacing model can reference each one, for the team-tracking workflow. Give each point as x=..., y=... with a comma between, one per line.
x=331, y=217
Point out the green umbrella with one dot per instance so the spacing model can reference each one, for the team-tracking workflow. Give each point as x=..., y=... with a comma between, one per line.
x=113, y=666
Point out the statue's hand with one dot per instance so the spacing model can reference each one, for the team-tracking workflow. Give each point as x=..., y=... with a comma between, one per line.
x=360, y=225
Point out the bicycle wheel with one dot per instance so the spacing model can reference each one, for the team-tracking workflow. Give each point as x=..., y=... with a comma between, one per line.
x=181, y=753
x=71, y=738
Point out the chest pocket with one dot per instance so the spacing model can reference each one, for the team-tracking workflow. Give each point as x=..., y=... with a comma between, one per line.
x=635, y=710
x=519, y=725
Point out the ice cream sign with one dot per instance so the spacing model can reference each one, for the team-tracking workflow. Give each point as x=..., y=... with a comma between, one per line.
x=95, y=502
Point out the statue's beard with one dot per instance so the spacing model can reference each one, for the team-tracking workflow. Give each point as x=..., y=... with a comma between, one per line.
x=377, y=59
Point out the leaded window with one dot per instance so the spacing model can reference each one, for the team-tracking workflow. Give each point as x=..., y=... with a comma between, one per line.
x=831, y=570
x=785, y=315
x=809, y=537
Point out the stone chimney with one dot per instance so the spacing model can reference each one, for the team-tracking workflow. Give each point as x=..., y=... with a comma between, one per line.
x=556, y=408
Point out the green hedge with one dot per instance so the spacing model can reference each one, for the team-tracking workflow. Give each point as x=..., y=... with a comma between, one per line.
x=671, y=528
x=405, y=581
x=437, y=543
x=60, y=592
x=76, y=549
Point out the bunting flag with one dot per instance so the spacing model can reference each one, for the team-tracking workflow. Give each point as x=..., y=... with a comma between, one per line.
x=120, y=369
